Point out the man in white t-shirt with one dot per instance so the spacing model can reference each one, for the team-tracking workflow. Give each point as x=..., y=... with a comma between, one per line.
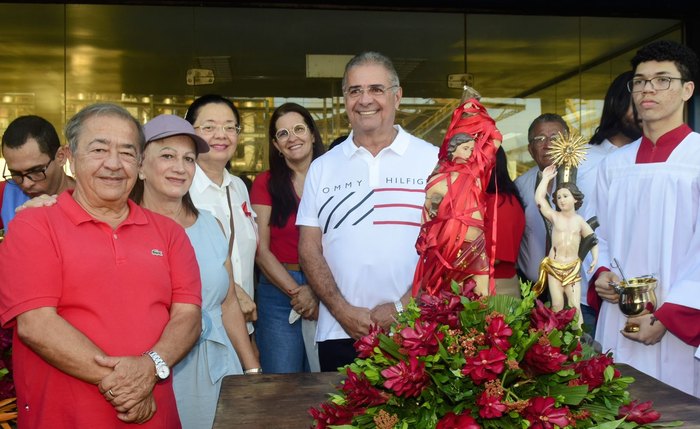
x=360, y=213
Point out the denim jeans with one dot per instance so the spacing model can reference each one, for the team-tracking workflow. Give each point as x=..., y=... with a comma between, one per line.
x=281, y=344
x=589, y=319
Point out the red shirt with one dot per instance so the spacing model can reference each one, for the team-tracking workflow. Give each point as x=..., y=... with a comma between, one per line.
x=284, y=242
x=115, y=286
x=510, y=225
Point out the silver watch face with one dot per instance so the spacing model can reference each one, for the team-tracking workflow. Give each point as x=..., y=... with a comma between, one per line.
x=163, y=372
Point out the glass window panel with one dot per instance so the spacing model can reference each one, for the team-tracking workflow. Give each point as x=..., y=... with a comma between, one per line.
x=59, y=58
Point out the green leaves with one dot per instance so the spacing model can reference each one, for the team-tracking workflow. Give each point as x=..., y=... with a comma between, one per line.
x=388, y=345
x=469, y=334
x=569, y=395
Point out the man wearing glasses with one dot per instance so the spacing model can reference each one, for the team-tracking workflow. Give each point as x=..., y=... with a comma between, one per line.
x=648, y=205
x=533, y=247
x=34, y=161
x=360, y=213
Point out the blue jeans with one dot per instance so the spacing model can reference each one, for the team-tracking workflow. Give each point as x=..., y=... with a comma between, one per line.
x=589, y=319
x=281, y=345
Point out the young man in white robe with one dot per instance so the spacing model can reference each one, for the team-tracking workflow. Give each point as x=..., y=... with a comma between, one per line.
x=648, y=205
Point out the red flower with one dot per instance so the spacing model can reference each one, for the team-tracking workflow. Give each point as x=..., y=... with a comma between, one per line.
x=7, y=389
x=564, y=317
x=365, y=345
x=542, y=414
x=542, y=318
x=467, y=289
x=421, y=340
x=5, y=339
x=331, y=414
x=542, y=358
x=499, y=332
x=576, y=352
x=406, y=379
x=490, y=407
x=485, y=366
x=639, y=413
x=443, y=308
x=457, y=421
x=359, y=391
x=592, y=371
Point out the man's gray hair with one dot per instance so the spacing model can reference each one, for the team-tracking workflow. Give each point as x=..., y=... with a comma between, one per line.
x=74, y=127
x=371, y=57
x=546, y=117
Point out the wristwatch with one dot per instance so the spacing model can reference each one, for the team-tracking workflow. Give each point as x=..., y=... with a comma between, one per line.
x=162, y=369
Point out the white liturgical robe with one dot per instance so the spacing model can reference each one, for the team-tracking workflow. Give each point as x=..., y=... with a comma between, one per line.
x=650, y=222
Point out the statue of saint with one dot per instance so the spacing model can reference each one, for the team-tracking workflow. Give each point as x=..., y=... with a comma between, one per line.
x=451, y=244
x=561, y=269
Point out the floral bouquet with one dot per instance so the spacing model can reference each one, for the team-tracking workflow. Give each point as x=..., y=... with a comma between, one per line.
x=8, y=407
x=457, y=361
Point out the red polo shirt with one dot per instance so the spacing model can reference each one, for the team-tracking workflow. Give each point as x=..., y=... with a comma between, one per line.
x=115, y=286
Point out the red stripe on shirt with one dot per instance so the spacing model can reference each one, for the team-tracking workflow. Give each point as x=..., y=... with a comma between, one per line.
x=395, y=222
x=398, y=190
x=409, y=206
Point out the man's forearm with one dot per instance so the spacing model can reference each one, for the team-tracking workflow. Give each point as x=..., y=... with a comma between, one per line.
x=180, y=334
x=60, y=344
x=317, y=271
x=134, y=377
x=321, y=281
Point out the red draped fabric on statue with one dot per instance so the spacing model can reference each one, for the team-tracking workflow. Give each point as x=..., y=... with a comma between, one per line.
x=445, y=253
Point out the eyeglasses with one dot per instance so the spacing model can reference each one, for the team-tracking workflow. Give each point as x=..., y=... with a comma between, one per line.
x=283, y=134
x=372, y=90
x=209, y=129
x=37, y=174
x=659, y=83
x=540, y=140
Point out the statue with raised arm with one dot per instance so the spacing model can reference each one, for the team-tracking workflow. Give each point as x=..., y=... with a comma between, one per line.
x=561, y=268
x=451, y=244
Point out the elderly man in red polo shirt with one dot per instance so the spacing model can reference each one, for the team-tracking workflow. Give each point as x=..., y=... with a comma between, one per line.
x=104, y=296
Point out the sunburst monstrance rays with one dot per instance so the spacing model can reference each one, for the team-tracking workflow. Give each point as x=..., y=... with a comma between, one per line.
x=568, y=151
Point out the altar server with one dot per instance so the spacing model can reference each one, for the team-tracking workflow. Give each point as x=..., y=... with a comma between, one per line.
x=648, y=204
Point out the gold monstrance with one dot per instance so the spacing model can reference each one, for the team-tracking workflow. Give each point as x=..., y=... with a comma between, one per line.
x=567, y=152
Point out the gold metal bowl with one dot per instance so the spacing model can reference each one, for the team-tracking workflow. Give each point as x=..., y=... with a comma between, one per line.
x=636, y=297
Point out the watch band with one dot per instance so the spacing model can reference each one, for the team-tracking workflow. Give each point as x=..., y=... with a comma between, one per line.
x=156, y=357
x=162, y=370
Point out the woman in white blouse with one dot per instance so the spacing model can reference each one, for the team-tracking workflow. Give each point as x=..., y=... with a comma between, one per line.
x=216, y=190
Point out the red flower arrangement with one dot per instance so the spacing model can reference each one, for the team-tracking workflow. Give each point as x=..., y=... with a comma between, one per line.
x=8, y=406
x=456, y=361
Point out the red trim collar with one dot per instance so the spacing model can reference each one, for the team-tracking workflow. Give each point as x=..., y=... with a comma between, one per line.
x=659, y=152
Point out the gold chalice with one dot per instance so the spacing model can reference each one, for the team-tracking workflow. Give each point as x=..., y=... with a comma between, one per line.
x=636, y=297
